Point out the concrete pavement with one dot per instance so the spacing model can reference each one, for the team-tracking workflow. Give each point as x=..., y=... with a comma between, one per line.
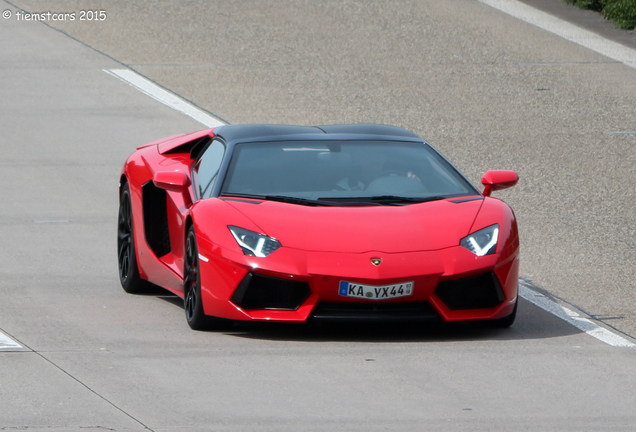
x=468, y=78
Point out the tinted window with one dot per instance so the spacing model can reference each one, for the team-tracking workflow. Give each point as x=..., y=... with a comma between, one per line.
x=321, y=169
x=208, y=166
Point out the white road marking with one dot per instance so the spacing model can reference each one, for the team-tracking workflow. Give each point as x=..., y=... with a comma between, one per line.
x=566, y=30
x=574, y=318
x=7, y=343
x=163, y=96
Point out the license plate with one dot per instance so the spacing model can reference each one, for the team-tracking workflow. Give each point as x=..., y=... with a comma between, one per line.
x=373, y=292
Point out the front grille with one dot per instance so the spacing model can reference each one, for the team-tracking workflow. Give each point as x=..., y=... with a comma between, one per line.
x=375, y=311
x=475, y=292
x=264, y=292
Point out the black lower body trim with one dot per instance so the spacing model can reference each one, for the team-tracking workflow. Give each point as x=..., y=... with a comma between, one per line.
x=375, y=311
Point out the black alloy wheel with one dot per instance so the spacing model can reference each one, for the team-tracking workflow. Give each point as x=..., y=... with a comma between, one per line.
x=129, y=276
x=197, y=320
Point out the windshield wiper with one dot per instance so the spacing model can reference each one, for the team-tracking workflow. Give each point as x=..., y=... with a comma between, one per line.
x=282, y=198
x=320, y=202
x=242, y=195
x=382, y=200
x=395, y=199
x=340, y=201
x=297, y=200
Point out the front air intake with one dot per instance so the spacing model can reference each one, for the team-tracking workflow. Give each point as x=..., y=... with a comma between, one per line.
x=270, y=293
x=474, y=292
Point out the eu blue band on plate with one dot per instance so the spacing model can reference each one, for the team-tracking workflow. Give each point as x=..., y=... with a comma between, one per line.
x=343, y=288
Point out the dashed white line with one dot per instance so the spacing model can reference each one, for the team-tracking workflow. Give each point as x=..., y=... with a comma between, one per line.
x=574, y=318
x=7, y=343
x=163, y=96
x=566, y=30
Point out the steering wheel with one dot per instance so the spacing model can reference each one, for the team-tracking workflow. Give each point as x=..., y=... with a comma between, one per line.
x=387, y=173
x=390, y=181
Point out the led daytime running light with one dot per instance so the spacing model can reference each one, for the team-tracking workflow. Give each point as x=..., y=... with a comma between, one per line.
x=479, y=251
x=482, y=242
x=253, y=243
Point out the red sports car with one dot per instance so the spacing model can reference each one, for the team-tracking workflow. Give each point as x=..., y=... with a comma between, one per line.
x=292, y=223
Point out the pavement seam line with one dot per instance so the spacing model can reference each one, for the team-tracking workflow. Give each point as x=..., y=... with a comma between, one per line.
x=566, y=30
x=52, y=363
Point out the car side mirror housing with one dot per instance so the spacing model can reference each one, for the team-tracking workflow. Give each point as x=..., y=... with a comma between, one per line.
x=173, y=181
x=497, y=180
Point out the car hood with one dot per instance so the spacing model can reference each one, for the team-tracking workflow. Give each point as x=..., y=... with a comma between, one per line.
x=391, y=229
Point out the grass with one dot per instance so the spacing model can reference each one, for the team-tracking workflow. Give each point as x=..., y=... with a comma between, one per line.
x=621, y=12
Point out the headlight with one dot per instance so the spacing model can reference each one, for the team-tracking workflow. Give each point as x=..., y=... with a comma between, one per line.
x=254, y=244
x=482, y=242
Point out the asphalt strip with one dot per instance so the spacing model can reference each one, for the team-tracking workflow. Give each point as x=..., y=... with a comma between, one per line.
x=534, y=297
x=518, y=10
x=566, y=30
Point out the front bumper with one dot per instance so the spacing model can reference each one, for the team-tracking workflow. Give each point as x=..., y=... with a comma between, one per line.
x=294, y=286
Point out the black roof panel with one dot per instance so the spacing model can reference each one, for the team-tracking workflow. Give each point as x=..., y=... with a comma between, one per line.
x=368, y=129
x=260, y=131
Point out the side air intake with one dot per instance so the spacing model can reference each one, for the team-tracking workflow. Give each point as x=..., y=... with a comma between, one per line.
x=156, y=218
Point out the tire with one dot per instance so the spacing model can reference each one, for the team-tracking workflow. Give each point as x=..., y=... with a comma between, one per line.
x=129, y=276
x=192, y=303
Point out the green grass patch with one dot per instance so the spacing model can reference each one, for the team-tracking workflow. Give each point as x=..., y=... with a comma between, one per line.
x=621, y=12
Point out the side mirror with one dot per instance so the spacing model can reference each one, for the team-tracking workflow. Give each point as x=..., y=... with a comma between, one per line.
x=497, y=180
x=174, y=181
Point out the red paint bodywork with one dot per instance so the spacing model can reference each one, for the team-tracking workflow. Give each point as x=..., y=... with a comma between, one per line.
x=320, y=245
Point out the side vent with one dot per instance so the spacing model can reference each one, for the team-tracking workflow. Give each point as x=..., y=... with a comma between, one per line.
x=194, y=147
x=156, y=219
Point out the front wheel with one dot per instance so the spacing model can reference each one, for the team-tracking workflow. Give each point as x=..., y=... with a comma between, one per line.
x=193, y=305
x=129, y=276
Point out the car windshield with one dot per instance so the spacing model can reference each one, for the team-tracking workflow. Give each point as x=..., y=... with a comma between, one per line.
x=343, y=172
